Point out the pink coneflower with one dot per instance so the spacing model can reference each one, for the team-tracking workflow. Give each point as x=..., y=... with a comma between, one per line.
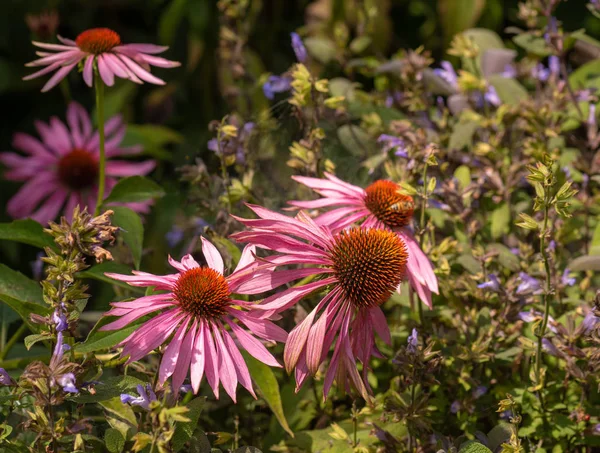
x=196, y=309
x=62, y=168
x=100, y=47
x=380, y=205
x=361, y=267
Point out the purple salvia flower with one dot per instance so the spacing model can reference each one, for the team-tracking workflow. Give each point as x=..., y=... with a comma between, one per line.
x=528, y=285
x=67, y=382
x=5, y=378
x=552, y=245
x=589, y=323
x=491, y=96
x=510, y=72
x=389, y=142
x=591, y=120
x=492, y=284
x=455, y=407
x=566, y=280
x=174, y=236
x=447, y=73
x=146, y=396
x=60, y=320
x=540, y=72
x=299, y=48
x=554, y=65
x=37, y=266
x=550, y=348
x=479, y=391
x=186, y=388
x=413, y=342
x=276, y=84
x=532, y=315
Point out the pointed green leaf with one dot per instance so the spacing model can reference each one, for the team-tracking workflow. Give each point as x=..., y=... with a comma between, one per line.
x=132, y=231
x=268, y=386
x=185, y=430
x=114, y=440
x=134, y=189
x=27, y=232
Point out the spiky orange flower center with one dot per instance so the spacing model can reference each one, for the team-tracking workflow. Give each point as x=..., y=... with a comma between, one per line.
x=78, y=169
x=390, y=206
x=202, y=292
x=368, y=264
x=98, y=40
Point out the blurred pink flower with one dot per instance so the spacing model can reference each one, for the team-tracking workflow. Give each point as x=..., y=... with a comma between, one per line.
x=361, y=267
x=196, y=309
x=62, y=168
x=380, y=205
x=100, y=48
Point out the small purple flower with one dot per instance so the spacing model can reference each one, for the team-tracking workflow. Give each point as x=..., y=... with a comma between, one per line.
x=566, y=280
x=447, y=73
x=37, y=266
x=584, y=95
x=276, y=84
x=552, y=245
x=510, y=72
x=175, y=235
x=591, y=120
x=491, y=96
x=479, y=391
x=185, y=388
x=550, y=348
x=455, y=407
x=298, y=47
x=5, y=378
x=67, y=382
x=554, y=65
x=60, y=320
x=589, y=323
x=540, y=72
x=493, y=284
x=532, y=315
x=413, y=342
x=389, y=142
x=146, y=396
x=528, y=285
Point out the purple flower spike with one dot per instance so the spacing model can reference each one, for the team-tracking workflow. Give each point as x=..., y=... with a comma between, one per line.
x=67, y=382
x=413, y=342
x=493, y=284
x=447, y=73
x=299, y=48
x=566, y=279
x=528, y=285
x=60, y=320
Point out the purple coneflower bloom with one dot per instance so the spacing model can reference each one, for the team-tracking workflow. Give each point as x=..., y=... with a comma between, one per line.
x=197, y=306
x=381, y=206
x=100, y=47
x=362, y=267
x=61, y=169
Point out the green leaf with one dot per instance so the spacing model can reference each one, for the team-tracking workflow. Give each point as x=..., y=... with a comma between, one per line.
x=27, y=232
x=509, y=90
x=170, y=21
x=268, y=386
x=110, y=388
x=499, y=434
x=132, y=231
x=98, y=340
x=185, y=430
x=120, y=416
x=22, y=295
x=97, y=273
x=463, y=175
x=322, y=49
x=133, y=189
x=484, y=39
x=533, y=44
x=586, y=75
x=247, y=450
x=459, y=15
x=153, y=138
x=585, y=263
x=462, y=135
x=114, y=440
x=359, y=44
x=24, y=309
x=500, y=221
x=30, y=340
x=355, y=140
x=474, y=447
x=199, y=442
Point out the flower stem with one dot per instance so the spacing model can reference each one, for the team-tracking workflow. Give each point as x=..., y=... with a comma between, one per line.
x=224, y=173
x=545, y=297
x=99, y=85
x=422, y=236
x=11, y=342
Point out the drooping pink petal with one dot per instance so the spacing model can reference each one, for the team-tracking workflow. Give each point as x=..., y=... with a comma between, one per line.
x=227, y=371
x=79, y=123
x=211, y=367
x=172, y=353
x=267, y=281
x=123, y=168
x=165, y=282
x=88, y=71
x=139, y=71
x=254, y=347
x=198, y=357
x=50, y=208
x=31, y=193
x=132, y=315
x=241, y=369
x=246, y=258
x=185, y=357
x=144, y=48
x=380, y=324
x=151, y=335
x=106, y=73
x=57, y=77
x=260, y=327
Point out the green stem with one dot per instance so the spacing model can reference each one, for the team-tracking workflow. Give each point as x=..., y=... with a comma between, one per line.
x=546, y=299
x=99, y=85
x=422, y=237
x=20, y=331
x=224, y=173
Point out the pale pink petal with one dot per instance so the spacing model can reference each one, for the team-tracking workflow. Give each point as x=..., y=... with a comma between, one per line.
x=157, y=61
x=296, y=341
x=57, y=77
x=139, y=71
x=380, y=324
x=115, y=65
x=166, y=282
x=198, y=357
x=421, y=266
x=289, y=297
x=122, y=168
x=172, y=353
x=105, y=72
x=227, y=371
x=146, y=301
x=211, y=367
x=185, y=357
x=144, y=48
x=61, y=57
x=260, y=327
x=254, y=347
x=88, y=71
x=61, y=135
x=241, y=369
x=177, y=265
x=212, y=256
x=46, y=70
x=246, y=258
x=66, y=41
x=150, y=337
x=126, y=318
x=48, y=46
x=189, y=262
